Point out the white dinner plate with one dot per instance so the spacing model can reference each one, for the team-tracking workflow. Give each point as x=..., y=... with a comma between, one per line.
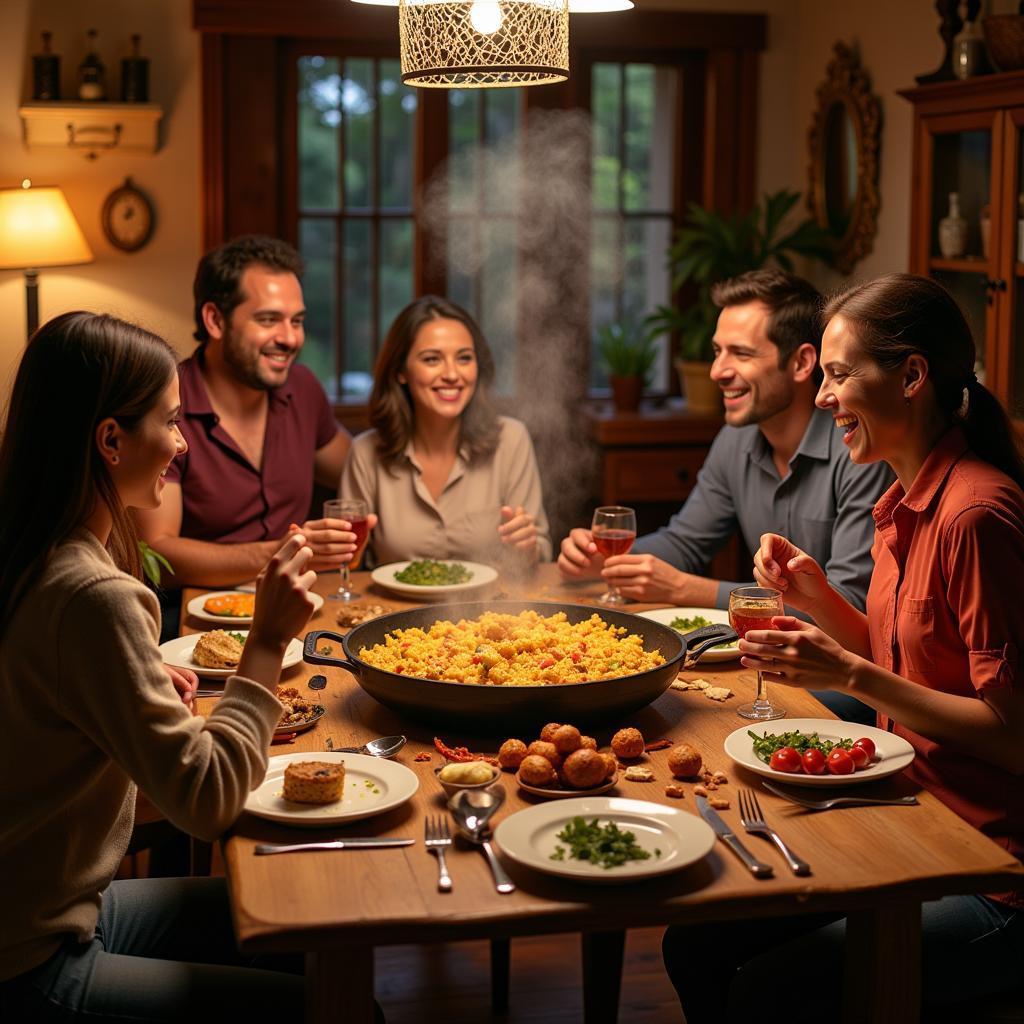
x=529, y=837
x=892, y=753
x=713, y=615
x=178, y=652
x=196, y=610
x=385, y=576
x=373, y=785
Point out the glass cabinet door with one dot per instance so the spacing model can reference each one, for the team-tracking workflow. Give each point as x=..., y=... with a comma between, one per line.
x=961, y=193
x=1011, y=376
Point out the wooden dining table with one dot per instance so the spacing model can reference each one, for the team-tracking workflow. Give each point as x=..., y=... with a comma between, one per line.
x=876, y=865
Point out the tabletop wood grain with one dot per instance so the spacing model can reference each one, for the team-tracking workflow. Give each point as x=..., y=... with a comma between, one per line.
x=878, y=861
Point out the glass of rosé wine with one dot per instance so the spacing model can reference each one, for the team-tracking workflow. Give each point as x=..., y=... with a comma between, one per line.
x=754, y=608
x=355, y=513
x=614, y=530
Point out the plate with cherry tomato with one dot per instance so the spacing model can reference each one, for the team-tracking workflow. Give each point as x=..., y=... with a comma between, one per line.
x=818, y=751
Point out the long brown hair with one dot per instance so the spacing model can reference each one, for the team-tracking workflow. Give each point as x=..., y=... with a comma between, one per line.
x=902, y=314
x=391, y=408
x=77, y=370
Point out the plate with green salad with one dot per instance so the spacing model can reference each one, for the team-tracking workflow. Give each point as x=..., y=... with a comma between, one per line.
x=685, y=620
x=431, y=578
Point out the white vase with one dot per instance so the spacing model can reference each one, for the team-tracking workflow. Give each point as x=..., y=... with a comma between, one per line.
x=953, y=231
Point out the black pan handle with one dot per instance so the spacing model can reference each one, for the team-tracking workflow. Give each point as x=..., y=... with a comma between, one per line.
x=309, y=653
x=698, y=641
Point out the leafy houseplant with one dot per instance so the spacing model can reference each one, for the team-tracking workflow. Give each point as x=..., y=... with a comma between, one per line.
x=712, y=247
x=152, y=561
x=628, y=352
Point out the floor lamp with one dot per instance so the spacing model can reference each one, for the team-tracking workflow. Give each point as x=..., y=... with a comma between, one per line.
x=38, y=229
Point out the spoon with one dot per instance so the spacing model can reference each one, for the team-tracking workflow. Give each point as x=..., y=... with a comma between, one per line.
x=386, y=746
x=472, y=809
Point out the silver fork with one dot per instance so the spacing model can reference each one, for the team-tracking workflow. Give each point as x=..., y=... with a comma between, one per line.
x=842, y=801
x=752, y=819
x=437, y=838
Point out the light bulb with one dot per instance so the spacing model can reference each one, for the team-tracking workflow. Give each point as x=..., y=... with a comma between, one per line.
x=485, y=16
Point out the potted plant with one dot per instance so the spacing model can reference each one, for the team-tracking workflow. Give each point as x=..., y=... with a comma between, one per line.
x=628, y=352
x=712, y=247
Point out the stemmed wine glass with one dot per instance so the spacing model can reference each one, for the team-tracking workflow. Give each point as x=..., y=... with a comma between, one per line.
x=754, y=608
x=355, y=513
x=614, y=530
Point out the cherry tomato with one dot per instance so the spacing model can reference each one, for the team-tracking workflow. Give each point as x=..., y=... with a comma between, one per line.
x=860, y=757
x=786, y=759
x=840, y=762
x=868, y=746
x=813, y=761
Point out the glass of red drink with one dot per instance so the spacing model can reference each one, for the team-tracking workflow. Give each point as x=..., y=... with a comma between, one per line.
x=614, y=530
x=754, y=608
x=355, y=513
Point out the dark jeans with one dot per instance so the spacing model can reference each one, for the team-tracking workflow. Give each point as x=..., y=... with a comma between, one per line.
x=842, y=705
x=970, y=947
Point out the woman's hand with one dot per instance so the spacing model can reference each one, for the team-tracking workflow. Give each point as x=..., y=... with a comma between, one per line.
x=185, y=681
x=799, y=654
x=518, y=529
x=578, y=557
x=780, y=565
x=283, y=604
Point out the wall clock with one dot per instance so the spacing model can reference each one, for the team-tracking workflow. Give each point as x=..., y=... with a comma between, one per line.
x=127, y=217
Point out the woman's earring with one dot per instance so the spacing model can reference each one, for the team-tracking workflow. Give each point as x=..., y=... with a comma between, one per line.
x=115, y=459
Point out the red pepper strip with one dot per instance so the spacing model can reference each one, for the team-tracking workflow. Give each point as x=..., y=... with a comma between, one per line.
x=284, y=737
x=460, y=754
x=658, y=745
x=423, y=756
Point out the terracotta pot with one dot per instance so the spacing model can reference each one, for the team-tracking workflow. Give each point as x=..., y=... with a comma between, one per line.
x=701, y=392
x=626, y=392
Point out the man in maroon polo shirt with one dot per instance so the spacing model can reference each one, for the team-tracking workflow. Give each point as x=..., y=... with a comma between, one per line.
x=260, y=430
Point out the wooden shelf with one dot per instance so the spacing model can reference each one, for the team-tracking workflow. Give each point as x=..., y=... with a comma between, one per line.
x=91, y=127
x=969, y=265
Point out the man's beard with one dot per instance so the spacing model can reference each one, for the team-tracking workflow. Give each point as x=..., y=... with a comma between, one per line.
x=246, y=367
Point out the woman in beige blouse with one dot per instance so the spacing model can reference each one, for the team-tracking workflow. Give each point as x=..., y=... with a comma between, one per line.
x=447, y=476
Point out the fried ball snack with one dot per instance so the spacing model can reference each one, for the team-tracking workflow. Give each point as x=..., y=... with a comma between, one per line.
x=589, y=742
x=546, y=750
x=547, y=734
x=217, y=649
x=536, y=771
x=566, y=739
x=627, y=744
x=684, y=761
x=611, y=766
x=511, y=753
x=584, y=769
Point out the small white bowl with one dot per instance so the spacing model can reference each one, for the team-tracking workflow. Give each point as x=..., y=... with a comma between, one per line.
x=451, y=788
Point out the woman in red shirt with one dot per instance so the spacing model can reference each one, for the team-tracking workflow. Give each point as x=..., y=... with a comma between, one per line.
x=937, y=652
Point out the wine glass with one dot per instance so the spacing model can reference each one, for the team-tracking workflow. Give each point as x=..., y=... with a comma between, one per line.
x=355, y=513
x=614, y=530
x=754, y=608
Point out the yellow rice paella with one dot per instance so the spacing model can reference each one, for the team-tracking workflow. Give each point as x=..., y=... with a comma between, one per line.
x=527, y=649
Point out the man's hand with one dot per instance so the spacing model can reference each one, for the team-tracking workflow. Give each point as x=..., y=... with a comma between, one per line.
x=185, y=681
x=579, y=558
x=646, y=578
x=780, y=565
x=331, y=540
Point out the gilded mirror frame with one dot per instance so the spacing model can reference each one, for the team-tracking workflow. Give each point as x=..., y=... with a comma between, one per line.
x=846, y=85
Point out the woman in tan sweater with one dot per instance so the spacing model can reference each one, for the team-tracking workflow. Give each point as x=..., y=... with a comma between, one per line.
x=90, y=712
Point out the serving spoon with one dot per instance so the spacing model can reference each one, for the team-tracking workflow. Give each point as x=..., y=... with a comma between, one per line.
x=386, y=746
x=472, y=809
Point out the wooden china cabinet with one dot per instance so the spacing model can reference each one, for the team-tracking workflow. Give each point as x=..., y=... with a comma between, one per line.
x=968, y=139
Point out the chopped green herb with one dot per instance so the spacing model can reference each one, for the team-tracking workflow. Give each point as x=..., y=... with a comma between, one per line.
x=605, y=845
x=428, y=573
x=325, y=650
x=767, y=744
x=240, y=637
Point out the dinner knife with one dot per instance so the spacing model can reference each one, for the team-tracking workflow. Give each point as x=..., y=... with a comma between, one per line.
x=757, y=868
x=360, y=843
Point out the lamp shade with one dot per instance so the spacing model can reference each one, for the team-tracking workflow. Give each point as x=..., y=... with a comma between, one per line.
x=38, y=229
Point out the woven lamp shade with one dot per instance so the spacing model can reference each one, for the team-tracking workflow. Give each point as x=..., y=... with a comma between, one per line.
x=468, y=44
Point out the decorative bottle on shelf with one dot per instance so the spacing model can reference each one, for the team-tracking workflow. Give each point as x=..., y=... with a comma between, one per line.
x=46, y=73
x=91, y=85
x=953, y=231
x=135, y=75
x=968, y=54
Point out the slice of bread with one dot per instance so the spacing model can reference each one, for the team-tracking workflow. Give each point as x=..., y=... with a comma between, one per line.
x=314, y=782
x=217, y=649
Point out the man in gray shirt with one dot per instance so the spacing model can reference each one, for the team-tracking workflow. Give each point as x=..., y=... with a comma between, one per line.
x=778, y=466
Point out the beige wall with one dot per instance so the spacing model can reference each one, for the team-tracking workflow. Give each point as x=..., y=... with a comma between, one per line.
x=896, y=39
x=152, y=286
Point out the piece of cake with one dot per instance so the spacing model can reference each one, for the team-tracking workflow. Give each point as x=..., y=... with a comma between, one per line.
x=314, y=782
